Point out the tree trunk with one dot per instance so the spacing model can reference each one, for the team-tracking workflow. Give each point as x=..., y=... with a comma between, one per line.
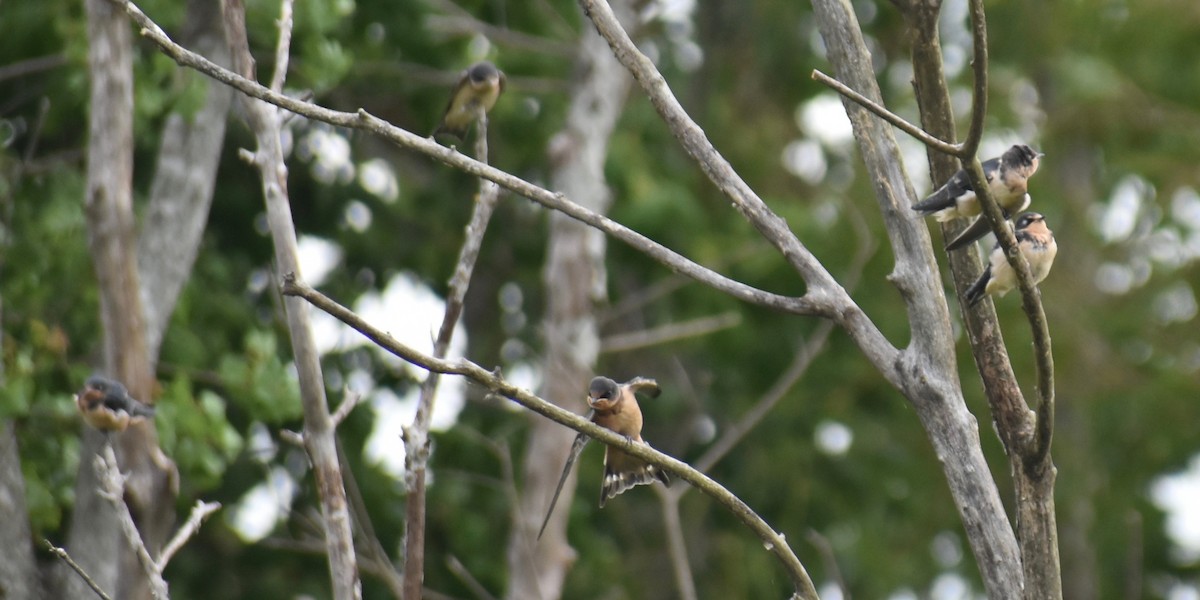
x=18, y=575
x=575, y=280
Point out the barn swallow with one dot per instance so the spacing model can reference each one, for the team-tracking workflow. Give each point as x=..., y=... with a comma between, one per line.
x=980, y=226
x=614, y=407
x=474, y=95
x=1037, y=244
x=1007, y=177
x=107, y=405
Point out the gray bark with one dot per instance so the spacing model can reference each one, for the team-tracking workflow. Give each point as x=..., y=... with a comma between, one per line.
x=575, y=280
x=929, y=376
x=266, y=123
x=18, y=573
x=182, y=190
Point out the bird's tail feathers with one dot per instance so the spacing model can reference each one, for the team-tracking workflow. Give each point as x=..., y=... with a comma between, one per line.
x=617, y=482
x=978, y=290
x=939, y=200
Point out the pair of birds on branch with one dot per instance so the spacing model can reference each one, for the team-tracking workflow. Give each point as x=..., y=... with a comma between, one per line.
x=1008, y=184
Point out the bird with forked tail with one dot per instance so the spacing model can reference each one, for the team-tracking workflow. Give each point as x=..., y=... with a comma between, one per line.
x=615, y=407
x=1008, y=183
x=1036, y=243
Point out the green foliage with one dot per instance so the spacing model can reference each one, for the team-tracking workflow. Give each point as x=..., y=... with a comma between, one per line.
x=259, y=381
x=194, y=431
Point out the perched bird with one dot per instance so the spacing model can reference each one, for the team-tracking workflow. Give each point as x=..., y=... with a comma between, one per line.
x=614, y=407
x=1037, y=244
x=617, y=409
x=980, y=227
x=474, y=95
x=1008, y=178
x=107, y=405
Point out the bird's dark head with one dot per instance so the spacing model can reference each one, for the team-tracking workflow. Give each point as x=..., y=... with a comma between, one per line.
x=1027, y=219
x=106, y=386
x=483, y=72
x=1022, y=156
x=602, y=388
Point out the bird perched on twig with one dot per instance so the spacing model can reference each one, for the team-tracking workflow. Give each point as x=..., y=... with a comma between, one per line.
x=1036, y=243
x=474, y=95
x=1008, y=181
x=614, y=407
x=106, y=405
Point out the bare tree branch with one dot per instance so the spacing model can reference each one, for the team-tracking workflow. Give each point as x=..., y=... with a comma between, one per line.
x=91, y=583
x=671, y=332
x=460, y=571
x=825, y=549
x=112, y=488
x=283, y=46
x=575, y=283
x=886, y=114
x=772, y=540
x=979, y=90
x=200, y=512
x=676, y=544
x=31, y=66
x=461, y=22
x=319, y=433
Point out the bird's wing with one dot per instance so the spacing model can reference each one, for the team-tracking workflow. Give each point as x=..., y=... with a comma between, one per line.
x=645, y=385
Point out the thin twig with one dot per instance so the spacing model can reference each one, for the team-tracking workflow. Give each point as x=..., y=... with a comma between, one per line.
x=416, y=439
x=282, y=46
x=772, y=540
x=734, y=433
x=349, y=401
x=32, y=65
x=112, y=488
x=460, y=571
x=463, y=22
x=979, y=91
x=62, y=554
x=676, y=544
x=886, y=115
x=671, y=332
x=374, y=548
x=200, y=512
x=825, y=549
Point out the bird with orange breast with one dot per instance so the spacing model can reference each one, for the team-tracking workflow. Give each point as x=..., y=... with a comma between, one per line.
x=106, y=405
x=1035, y=241
x=615, y=407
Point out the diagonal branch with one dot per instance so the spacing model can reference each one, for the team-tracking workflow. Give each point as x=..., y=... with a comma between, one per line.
x=822, y=287
x=810, y=304
x=62, y=554
x=493, y=381
x=887, y=115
